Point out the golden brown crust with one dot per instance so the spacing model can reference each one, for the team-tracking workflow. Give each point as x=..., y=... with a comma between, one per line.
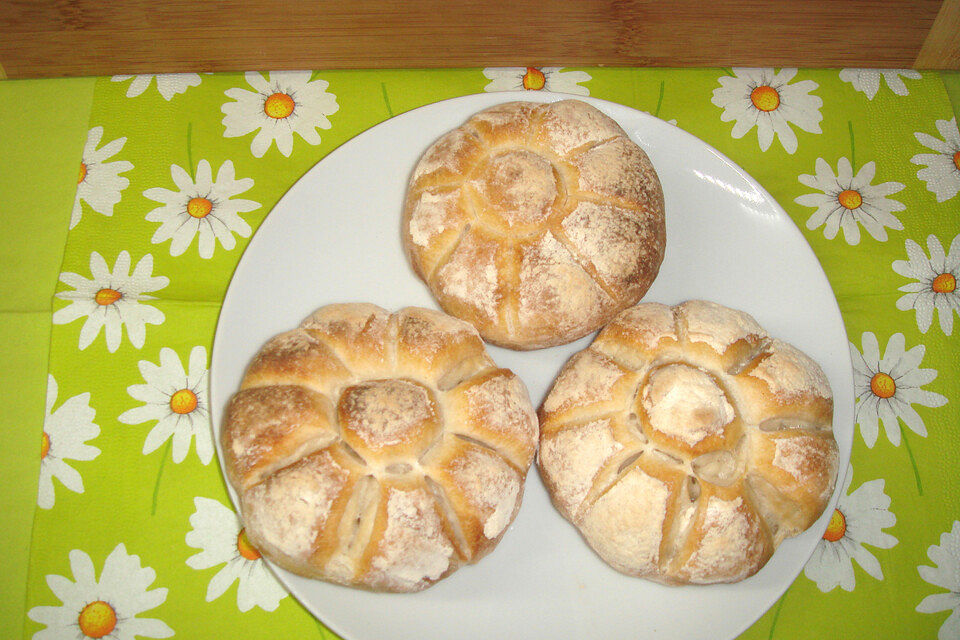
x=305, y=534
x=685, y=444
x=492, y=411
x=481, y=487
x=266, y=428
x=378, y=450
x=536, y=223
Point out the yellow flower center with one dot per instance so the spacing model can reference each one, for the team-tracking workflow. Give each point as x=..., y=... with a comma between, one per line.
x=956, y=160
x=199, y=207
x=850, y=199
x=534, y=79
x=107, y=296
x=97, y=619
x=279, y=106
x=836, y=528
x=883, y=385
x=183, y=401
x=44, y=445
x=246, y=549
x=765, y=98
x=945, y=283
x=83, y=172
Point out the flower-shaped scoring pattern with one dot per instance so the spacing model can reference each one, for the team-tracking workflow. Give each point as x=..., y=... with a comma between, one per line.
x=686, y=444
x=536, y=223
x=378, y=450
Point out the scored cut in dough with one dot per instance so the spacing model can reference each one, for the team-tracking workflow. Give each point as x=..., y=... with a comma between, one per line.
x=536, y=223
x=685, y=443
x=378, y=450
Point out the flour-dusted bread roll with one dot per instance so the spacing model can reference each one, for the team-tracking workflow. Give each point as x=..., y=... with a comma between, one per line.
x=685, y=443
x=377, y=450
x=536, y=223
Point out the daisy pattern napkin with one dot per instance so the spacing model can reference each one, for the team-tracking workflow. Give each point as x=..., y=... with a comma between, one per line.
x=134, y=534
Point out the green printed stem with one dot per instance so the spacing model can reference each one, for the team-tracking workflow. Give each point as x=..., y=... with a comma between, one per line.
x=190, y=168
x=853, y=149
x=913, y=461
x=386, y=99
x=659, y=100
x=156, y=486
x=776, y=613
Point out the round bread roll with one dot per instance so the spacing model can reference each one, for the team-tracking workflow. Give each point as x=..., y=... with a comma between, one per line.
x=377, y=450
x=536, y=223
x=685, y=443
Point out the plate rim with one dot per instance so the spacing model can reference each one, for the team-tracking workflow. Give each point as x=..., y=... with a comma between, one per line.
x=217, y=408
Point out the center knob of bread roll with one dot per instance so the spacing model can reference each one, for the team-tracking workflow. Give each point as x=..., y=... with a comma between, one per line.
x=386, y=421
x=520, y=188
x=686, y=406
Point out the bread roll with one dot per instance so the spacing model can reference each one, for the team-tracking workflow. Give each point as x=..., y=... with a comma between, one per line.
x=685, y=443
x=536, y=223
x=377, y=450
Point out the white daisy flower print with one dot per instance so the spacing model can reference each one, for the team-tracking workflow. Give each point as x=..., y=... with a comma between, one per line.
x=767, y=100
x=104, y=608
x=66, y=431
x=201, y=207
x=112, y=299
x=99, y=183
x=848, y=201
x=284, y=103
x=218, y=534
x=888, y=387
x=859, y=518
x=177, y=400
x=168, y=84
x=944, y=574
x=941, y=170
x=935, y=285
x=536, y=79
x=867, y=81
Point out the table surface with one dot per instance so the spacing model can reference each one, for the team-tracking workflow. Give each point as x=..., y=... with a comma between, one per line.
x=87, y=37
x=906, y=468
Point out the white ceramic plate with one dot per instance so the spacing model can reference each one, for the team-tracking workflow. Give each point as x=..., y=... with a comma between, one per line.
x=335, y=237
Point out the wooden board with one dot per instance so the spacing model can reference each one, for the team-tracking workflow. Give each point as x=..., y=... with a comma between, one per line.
x=941, y=49
x=42, y=38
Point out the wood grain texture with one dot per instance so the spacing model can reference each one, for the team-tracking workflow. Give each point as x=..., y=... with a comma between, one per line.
x=92, y=37
x=941, y=49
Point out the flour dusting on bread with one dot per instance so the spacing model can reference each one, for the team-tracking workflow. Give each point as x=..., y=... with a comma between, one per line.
x=573, y=205
x=388, y=469
x=413, y=549
x=676, y=466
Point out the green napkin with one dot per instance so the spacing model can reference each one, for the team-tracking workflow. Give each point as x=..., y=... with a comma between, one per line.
x=135, y=534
